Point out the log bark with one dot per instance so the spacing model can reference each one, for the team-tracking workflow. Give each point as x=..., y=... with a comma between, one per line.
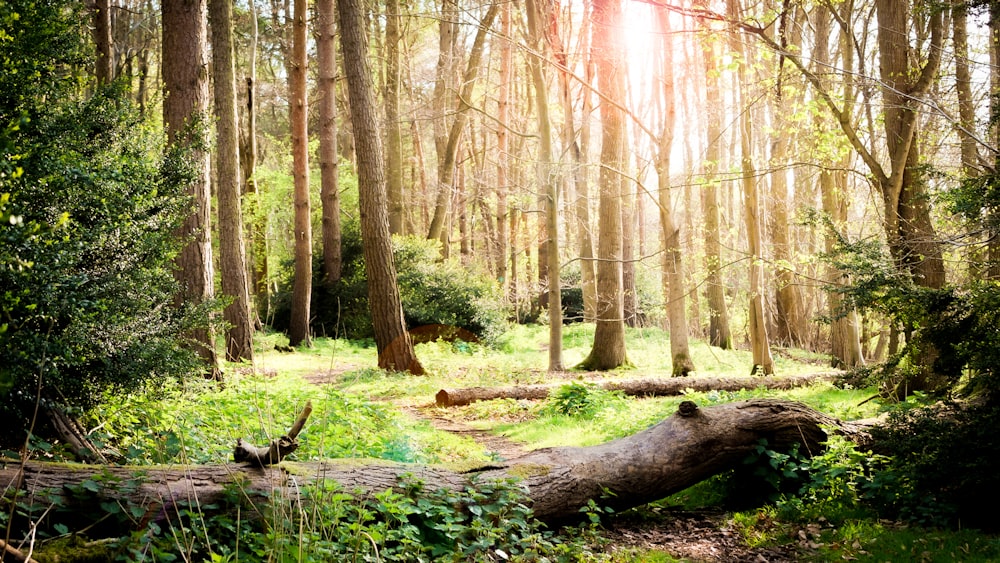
x=688, y=447
x=637, y=387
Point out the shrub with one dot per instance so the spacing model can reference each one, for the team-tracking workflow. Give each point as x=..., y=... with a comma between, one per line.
x=943, y=468
x=433, y=292
x=91, y=204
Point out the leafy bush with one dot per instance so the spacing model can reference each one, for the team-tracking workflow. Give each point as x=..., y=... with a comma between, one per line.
x=943, y=468
x=582, y=400
x=433, y=292
x=91, y=205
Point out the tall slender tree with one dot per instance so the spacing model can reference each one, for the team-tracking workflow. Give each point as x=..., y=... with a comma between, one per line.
x=718, y=313
x=845, y=341
x=673, y=265
x=232, y=250
x=393, y=134
x=547, y=186
x=608, y=351
x=395, y=347
x=185, y=111
x=298, y=330
x=329, y=159
x=752, y=210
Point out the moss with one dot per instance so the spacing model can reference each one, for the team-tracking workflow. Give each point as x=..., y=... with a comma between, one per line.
x=73, y=549
x=525, y=470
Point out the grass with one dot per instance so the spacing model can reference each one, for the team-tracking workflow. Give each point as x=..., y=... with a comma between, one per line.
x=361, y=411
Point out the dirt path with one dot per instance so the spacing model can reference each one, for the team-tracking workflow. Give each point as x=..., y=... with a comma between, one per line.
x=502, y=447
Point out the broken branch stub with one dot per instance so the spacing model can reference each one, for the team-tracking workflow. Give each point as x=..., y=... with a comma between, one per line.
x=277, y=449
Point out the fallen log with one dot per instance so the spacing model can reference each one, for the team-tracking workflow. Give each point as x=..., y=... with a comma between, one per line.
x=682, y=450
x=653, y=387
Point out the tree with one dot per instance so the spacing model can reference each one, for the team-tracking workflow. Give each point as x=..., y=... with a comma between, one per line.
x=298, y=330
x=185, y=111
x=905, y=77
x=759, y=344
x=608, y=351
x=329, y=159
x=232, y=250
x=395, y=347
x=718, y=314
x=393, y=136
x=673, y=267
x=248, y=163
x=789, y=319
x=845, y=342
x=548, y=187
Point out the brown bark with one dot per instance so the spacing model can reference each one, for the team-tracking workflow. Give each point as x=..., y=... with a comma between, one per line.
x=718, y=313
x=393, y=135
x=684, y=449
x=653, y=387
x=608, y=351
x=503, y=158
x=232, y=248
x=845, y=341
x=548, y=187
x=910, y=232
x=395, y=348
x=185, y=108
x=673, y=266
x=790, y=320
x=329, y=159
x=752, y=210
x=105, y=63
x=298, y=329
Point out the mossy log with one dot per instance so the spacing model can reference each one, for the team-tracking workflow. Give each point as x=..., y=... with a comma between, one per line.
x=652, y=387
x=688, y=447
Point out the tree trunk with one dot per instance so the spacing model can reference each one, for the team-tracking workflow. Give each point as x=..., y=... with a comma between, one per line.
x=298, y=329
x=673, y=267
x=630, y=298
x=232, y=248
x=185, y=107
x=790, y=320
x=908, y=225
x=248, y=162
x=718, y=313
x=393, y=135
x=845, y=341
x=653, y=387
x=759, y=344
x=395, y=348
x=103, y=38
x=548, y=186
x=608, y=351
x=329, y=158
x=503, y=157
x=686, y=448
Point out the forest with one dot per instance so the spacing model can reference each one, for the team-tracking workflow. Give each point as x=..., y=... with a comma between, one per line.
x=581, y=280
